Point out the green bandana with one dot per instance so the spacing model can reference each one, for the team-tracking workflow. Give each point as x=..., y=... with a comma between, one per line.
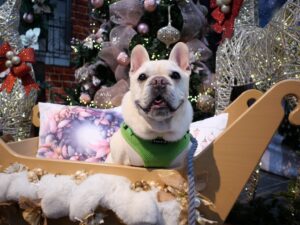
x=155, y=153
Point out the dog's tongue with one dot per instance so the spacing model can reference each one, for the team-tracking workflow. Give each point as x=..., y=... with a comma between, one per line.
x=159, y=102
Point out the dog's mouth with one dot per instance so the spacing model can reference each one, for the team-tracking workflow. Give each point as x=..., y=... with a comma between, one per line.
x=159, y=103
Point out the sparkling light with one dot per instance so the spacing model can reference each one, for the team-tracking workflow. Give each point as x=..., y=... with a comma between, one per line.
x=260, y=56
x=88, y=134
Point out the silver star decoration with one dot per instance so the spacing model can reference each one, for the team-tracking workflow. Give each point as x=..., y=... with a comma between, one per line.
x=9, y=23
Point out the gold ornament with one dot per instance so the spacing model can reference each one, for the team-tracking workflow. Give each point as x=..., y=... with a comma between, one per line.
x=32, y=211
x=80, y=176
x=35, y=175
x=140, y=186
x=169, y=34
x=206, y=103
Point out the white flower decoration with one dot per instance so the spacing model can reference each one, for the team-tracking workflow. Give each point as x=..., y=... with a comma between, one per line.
x=30, y=39
x=88, y=42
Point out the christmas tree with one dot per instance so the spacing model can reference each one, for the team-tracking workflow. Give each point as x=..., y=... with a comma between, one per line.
x=103, y=57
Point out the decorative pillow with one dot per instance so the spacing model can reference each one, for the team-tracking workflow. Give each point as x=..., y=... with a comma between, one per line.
x=76, y=133
x=206, y=131
x=280, y=159
x=83, y=134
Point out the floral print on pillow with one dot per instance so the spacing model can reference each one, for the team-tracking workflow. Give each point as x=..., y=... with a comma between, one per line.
x=206, y=131
x=76, y=133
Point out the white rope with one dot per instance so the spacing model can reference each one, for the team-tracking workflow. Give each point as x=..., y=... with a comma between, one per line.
x=191, y=181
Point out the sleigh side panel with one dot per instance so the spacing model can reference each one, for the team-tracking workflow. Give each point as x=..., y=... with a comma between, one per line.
x=229, y=161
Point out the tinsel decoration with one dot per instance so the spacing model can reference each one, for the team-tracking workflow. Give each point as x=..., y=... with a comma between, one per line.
x=251, y=186
x=15, y=110
x=9, y=23
x=260, y=56
x=247, y=15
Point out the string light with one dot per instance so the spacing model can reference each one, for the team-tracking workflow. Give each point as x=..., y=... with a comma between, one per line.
x=260, y=56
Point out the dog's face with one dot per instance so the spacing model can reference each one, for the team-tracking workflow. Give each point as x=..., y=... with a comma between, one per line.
x=159, y=88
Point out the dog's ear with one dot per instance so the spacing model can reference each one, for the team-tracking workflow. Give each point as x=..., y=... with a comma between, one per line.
x=139, y=55
x=180, y=55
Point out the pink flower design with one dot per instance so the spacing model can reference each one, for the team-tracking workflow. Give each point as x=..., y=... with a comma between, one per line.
x=78, y=133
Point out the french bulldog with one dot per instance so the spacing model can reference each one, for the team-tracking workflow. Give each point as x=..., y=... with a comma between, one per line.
x=156, y=107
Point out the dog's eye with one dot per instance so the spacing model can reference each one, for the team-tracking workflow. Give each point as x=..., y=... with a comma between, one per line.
x=142, y=77
x=175, y=75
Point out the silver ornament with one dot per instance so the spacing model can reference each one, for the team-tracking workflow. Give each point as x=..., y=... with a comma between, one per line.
x=169, y=34
x=219, y=3
x=16, y=60
x=225, y=9
x=226, y=2
x=9, y=54
x=8, y=63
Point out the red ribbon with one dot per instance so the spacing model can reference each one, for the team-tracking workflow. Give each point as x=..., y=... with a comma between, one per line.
x=21, y=71
x=225, y=22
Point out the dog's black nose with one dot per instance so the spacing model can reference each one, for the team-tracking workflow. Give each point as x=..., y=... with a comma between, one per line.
x=160, y=82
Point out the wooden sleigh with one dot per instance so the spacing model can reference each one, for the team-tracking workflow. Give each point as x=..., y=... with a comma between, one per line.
x=226, y=164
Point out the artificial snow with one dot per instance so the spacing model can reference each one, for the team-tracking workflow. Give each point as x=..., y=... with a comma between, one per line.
x=61, y=196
